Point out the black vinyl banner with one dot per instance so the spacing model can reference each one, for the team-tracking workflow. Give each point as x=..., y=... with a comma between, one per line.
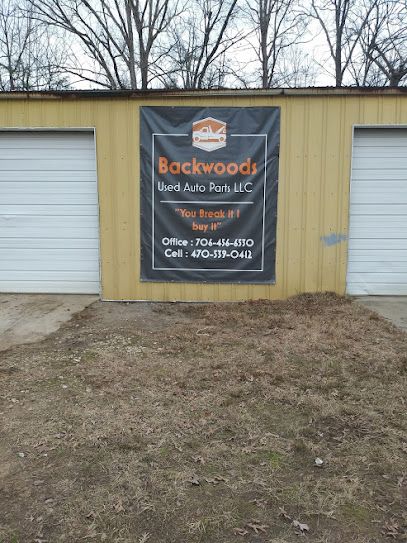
x=209, y=180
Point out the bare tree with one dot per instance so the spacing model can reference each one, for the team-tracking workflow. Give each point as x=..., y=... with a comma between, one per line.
x=122, y=39
x=362, y=68
x=277, y=26
x=29, y=57
x=202, y=39
x=385, y=42
x=342, y=23
x=295, y=69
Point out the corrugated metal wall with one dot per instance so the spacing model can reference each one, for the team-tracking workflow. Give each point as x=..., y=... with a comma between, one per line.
x=315, y=162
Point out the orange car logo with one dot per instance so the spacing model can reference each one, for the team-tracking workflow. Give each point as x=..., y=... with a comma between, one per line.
x=209, y=134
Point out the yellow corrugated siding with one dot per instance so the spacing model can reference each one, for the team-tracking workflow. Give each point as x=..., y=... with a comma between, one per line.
x=313, y=200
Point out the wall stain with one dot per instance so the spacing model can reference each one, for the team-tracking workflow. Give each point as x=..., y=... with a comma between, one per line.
x=333, y=239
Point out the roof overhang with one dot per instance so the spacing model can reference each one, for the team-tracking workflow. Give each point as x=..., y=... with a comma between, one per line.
x=177, y=93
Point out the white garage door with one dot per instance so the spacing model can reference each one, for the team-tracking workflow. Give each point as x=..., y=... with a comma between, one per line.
x=49, y=240
x=378, y=213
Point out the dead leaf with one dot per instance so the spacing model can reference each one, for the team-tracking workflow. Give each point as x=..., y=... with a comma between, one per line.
x=118, y=507
x=92, y=532
x=211, y=481
x=194, y=481
x=391, y=529
x=202, y=331
x=259, y=503
x=402, y=480
x=302, y=527
x=283, y=513
x=240, y=531
x=257, y=527
x=198, y=459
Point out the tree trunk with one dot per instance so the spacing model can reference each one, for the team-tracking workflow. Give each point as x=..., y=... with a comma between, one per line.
x=132, y=55
x=395, y=78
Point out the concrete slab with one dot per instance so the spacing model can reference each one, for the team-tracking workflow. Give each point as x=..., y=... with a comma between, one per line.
x=393, y=308
x=27, y=318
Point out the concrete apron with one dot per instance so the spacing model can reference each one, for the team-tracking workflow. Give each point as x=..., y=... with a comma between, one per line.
x=27, y=318
x=392, y=308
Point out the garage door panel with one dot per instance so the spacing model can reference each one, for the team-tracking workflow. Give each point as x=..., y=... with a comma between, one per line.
x=378, y=210
x=52, y=287
x=365, y=232
x=378, y=255
x=377, y=245
x=50, y=140
x=47, y=221
x=32, y=253
x=374, y=243
x=64, y=154
x=377, y=289
x=55, y=232
x=51, y=275
x=372, y=197
x=63, y=265
x=388, y=152
x=380, y=185
x=42, y=187
x=53, y=210
x=379, y=164
x=380, y=143
x=378, y=278
x=380, y=137
x=49, y=239
x=368, y=174
x=48, y=243
x=51, y=176
x=46, y=164
x=377, y=266
x=378, y=221
x=57, y=259
x=54, y=198
x=385, y=192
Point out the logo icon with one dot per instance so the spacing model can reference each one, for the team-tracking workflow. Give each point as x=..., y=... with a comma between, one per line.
x=209, y=134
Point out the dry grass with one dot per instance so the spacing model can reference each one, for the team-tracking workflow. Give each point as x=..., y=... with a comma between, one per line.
x=201, y=423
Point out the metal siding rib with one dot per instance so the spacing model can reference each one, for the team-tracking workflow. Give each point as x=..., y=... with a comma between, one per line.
x=314, y=170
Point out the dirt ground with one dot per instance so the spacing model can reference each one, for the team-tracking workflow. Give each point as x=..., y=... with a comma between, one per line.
x=186, y=423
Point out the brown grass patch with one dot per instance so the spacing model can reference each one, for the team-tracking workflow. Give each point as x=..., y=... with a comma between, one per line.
x=201, y=423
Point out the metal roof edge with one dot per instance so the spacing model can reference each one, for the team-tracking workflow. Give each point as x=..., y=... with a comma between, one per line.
x=177, y=93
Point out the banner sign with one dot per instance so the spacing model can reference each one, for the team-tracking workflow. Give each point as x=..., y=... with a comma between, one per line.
x=209, y=193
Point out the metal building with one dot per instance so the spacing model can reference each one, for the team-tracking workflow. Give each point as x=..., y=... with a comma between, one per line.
x=70, y=193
